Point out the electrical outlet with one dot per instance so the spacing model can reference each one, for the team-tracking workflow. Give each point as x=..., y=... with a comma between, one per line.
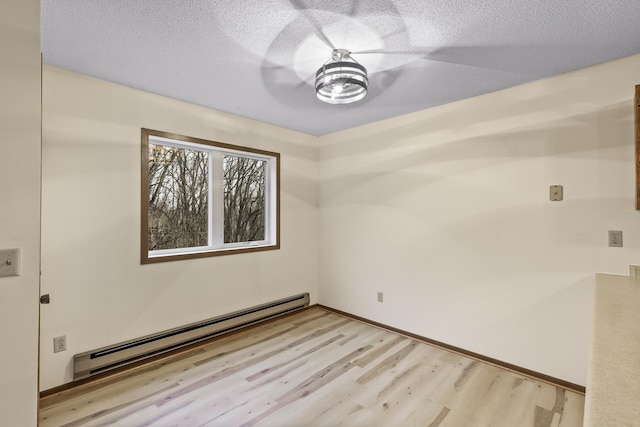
x=380, y=297
x=615, y=238
x=9, y=262
x=555, y=193
x=59, y=344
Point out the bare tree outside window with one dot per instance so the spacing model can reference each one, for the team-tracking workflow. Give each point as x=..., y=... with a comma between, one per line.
x=178, y=197
x=244, y=199
x=205, y=198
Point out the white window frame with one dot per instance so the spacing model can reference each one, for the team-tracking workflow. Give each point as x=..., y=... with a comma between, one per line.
x=216, y=152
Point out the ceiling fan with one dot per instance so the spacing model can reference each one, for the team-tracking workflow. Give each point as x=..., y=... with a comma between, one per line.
x=342, y=79
x=346, y=76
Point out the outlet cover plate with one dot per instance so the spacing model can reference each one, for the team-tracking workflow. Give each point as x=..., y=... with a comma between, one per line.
x=615, y=238
x=555, y=193
x=59, y=344
x=9, y=262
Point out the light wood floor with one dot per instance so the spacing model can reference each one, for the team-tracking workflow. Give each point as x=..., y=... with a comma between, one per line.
x=316, y=368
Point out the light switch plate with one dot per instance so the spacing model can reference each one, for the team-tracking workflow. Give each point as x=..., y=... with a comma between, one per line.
x=9, y=262
x=555, y=193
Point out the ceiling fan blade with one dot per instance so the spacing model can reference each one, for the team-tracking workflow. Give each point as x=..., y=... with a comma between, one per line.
x=483, y=57
x=402, y=29
x=276, y=74
x=355, y=4
x=507, y=58
x=392, y=52
x=317, y=28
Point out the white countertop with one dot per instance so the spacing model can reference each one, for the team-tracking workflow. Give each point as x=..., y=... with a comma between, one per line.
x=613, y=381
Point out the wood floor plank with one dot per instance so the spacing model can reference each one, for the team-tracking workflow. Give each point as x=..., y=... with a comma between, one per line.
x=573, y=410
x=315, y=368
x=405, y=394
x=338, y=406
x=103, y=403
x=311, y=384
x=388, y=363
x=272, y=368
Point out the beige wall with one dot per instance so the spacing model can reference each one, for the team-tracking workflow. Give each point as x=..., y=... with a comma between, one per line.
x=19, y=208
x=100, y=292
x=447, y=212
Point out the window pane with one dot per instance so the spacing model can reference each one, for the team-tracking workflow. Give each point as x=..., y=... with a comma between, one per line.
x=244, y=199
x=178, y=209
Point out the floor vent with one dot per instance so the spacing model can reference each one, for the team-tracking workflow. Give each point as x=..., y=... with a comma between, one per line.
x=118, y=355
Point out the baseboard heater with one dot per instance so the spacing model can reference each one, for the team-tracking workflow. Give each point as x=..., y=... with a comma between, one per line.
x=115, y=356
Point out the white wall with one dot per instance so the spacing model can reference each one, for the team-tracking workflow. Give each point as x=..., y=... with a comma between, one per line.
x=100, y=292
x=20, y=208
x=447, y=212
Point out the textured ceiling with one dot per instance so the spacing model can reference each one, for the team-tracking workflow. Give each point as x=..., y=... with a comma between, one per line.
x=257, y=58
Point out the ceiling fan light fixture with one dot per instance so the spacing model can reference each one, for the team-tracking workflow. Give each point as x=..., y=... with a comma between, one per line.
x=341, y=80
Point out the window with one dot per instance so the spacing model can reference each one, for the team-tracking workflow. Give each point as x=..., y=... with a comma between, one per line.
x=203, y=198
